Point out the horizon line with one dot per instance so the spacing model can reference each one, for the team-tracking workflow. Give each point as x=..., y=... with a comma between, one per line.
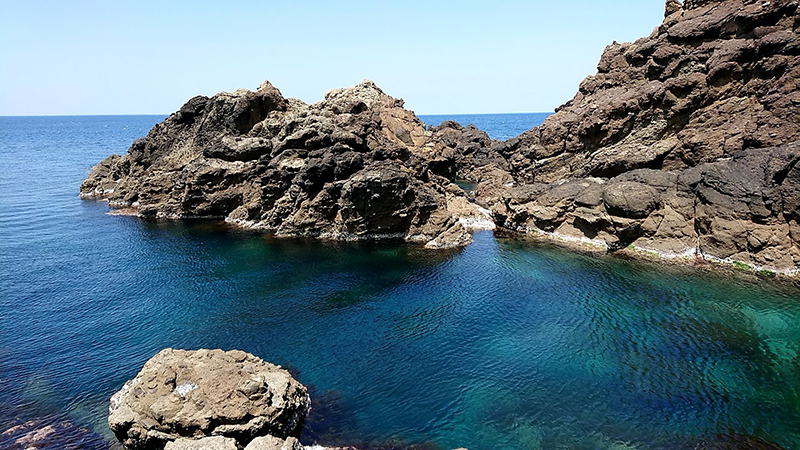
x=168, y=114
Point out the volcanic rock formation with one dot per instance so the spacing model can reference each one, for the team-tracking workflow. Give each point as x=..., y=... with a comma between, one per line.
x=685, y=142
x=353, y=166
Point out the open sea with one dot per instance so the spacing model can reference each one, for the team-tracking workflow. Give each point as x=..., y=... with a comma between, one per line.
x=505, y=344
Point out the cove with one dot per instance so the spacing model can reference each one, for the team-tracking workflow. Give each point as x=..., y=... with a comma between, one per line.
x=504, y=344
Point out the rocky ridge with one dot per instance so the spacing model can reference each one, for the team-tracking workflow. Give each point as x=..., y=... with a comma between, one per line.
x=353, y=166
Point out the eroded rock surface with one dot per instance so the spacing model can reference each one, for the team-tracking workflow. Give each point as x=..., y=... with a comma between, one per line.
x=229, y=397
x=353, y=166
x=684, y=143
x=716, y=78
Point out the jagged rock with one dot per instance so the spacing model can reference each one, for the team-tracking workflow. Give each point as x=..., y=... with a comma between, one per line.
x=671, y=7
x=465, y=153
x=719, y=78
x=684, y=143
x=199, y=394
x=354, y=166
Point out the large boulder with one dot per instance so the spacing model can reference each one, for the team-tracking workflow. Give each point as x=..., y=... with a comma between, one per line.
x=191, y=395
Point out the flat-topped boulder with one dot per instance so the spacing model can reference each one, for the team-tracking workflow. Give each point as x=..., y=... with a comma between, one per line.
x=190, y=395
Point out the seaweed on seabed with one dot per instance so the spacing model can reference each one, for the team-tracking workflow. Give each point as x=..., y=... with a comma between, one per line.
x=53, y=432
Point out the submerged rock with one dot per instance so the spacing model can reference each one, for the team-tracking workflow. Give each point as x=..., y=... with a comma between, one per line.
x=353, y=166
x=225, y=397
x=49, y=432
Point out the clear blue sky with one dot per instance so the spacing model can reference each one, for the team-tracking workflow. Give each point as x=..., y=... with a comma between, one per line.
x=139, y=57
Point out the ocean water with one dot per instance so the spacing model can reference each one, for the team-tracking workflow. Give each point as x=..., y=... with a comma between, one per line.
x=505, y=344
x=497, y=126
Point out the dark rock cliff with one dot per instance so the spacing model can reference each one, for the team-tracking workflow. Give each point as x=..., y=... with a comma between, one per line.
x=683, y=143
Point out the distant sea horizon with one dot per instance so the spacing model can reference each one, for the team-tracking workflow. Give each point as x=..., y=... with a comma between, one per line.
x=500, y=126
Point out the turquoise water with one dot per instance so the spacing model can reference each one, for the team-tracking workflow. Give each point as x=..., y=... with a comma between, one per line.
x=505, y=344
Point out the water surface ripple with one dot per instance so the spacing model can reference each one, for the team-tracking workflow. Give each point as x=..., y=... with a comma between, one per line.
x=502, y=345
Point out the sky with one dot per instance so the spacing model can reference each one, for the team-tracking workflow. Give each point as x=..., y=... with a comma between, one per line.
x=83, y=57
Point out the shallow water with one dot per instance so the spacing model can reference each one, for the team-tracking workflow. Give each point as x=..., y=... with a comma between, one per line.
x=505, y=344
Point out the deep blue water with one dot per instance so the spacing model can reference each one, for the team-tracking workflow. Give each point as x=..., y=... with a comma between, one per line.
x=497, y=126
x=506, y=344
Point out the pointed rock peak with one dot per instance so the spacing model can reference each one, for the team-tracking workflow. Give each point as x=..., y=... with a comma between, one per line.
x=267, y=87
x=358, y=98
x=368, y=85
x=671, y=7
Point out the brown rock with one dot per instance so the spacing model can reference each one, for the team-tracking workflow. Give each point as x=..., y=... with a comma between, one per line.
x=353, y=166
x=689, y=138
x=207, y=443
x=711, y=81
x=273, y=443
x=203, y=393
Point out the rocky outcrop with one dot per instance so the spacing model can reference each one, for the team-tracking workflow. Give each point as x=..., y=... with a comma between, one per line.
x=353, y=166
x=229, y=398
x=684, y=143
x=718, y=209
x=714, y=79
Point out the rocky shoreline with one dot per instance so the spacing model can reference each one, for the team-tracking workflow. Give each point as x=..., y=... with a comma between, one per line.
x=211, y=400
x=684, y=145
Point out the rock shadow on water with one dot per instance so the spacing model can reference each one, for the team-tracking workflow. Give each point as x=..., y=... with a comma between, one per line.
x=735, y=442
x=331, y=423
